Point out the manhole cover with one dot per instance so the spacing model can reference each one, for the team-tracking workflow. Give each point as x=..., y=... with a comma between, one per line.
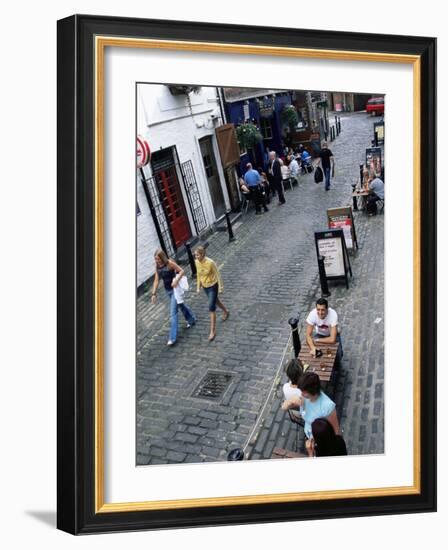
x=213, y=385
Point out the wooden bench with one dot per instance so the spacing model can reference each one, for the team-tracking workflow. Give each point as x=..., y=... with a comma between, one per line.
x=278, y=452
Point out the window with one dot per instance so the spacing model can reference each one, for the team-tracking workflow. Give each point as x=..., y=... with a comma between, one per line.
x=266, y=128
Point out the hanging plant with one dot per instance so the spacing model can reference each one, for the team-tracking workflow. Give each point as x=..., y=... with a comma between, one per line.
x=248, y=135
x=289, y=117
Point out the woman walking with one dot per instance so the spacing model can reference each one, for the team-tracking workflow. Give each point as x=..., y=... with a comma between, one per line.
x=209, y=278
x=171, y=274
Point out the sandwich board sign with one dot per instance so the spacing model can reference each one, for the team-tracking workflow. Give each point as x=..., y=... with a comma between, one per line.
x=378, y=131
x=330, y=244
x=342, y=218
x=373, y=160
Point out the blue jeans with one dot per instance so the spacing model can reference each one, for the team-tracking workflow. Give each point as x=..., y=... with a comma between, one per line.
x=212, y=295
x=327, y=172
x=174, y=306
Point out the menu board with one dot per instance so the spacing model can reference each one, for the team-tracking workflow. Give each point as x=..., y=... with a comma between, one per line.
x=331, y=246
x=342, y=218
x=373, y=160
x=333, y=253
x=378, y=130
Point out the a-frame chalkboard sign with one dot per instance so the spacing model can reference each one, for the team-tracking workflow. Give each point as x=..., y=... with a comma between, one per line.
x=331, y=246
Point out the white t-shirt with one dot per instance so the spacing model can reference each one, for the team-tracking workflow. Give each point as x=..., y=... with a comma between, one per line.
x=322, y=327
x=291, y=393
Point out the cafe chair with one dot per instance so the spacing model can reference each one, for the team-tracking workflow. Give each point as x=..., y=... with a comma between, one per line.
x=245, y=202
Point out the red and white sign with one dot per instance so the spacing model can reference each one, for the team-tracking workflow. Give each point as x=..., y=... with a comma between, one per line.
x=143, y=152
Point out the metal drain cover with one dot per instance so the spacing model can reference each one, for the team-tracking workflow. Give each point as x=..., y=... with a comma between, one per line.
x=213, y=385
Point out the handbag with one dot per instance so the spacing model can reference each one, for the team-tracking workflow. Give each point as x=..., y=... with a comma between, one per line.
x=318, y=175
x=180, y=289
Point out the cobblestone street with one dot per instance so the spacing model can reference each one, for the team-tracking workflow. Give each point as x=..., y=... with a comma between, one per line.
x=269, y=274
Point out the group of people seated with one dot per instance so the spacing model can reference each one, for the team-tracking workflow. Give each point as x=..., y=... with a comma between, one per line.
x=261, y=184
x=374, y=185
x=303, y=394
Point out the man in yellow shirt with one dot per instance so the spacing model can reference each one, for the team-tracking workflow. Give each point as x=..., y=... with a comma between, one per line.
x=209, y=278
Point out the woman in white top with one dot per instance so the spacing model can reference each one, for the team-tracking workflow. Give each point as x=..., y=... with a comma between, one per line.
x=291, y=391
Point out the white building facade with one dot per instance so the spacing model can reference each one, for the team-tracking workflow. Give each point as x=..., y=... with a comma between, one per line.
x=182, y=192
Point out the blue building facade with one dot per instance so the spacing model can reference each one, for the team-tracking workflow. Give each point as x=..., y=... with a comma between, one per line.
x=263, y=110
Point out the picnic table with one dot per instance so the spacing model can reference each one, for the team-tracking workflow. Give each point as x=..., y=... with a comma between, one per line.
x=323, y=365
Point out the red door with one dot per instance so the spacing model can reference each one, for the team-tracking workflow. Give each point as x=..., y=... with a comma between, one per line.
x=173, y=202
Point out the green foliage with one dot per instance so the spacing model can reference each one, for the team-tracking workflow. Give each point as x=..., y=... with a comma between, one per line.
x=289, y=117
x=248, y=135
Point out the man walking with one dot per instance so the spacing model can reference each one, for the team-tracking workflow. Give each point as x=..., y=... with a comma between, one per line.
x=326, y=159
x=275, y=176
x=253, y=181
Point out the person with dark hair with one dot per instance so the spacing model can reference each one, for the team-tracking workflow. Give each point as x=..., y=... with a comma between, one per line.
x=326, y=159
x=275, y=176
x=313, y=404
x=294, y=370
x=322, y=325
x=264, y=186
x=170, y=273
x=325, y=441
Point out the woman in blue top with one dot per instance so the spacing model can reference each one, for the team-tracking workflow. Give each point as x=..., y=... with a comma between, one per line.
x=313, y=404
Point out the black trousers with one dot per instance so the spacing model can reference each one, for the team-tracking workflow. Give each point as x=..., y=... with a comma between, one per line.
x=257, y=197
x=279, y=188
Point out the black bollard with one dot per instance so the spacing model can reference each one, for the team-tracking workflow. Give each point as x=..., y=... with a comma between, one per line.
x=229, y=228
x=339, y=124
x=355, y=199
x=336, y=125
x=235, y=454
x=294, y=323
x=323, y=277
x=191, y=259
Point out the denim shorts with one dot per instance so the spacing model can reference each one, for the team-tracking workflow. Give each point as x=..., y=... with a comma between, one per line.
x=212, y=295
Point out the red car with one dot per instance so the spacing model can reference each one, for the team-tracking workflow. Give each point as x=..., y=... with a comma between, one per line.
x=375, y=106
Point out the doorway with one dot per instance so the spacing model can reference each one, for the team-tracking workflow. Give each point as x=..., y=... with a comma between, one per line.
x=167, y=181
x=211, y=171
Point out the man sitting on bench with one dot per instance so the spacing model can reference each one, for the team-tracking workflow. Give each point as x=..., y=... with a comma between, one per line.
x=323, y=321
x=376, y=193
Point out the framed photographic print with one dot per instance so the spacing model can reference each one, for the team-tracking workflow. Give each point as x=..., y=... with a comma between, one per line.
x=210, y=369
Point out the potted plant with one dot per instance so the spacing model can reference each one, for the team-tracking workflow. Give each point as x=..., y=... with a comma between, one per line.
x=248, y=135
x=289, y=117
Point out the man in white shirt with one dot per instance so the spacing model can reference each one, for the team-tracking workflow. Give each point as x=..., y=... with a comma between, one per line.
x=322, y=324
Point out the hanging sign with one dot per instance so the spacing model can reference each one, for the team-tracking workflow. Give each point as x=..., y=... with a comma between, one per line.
x=331, y=246
x=342, y=218
x=143, y=152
